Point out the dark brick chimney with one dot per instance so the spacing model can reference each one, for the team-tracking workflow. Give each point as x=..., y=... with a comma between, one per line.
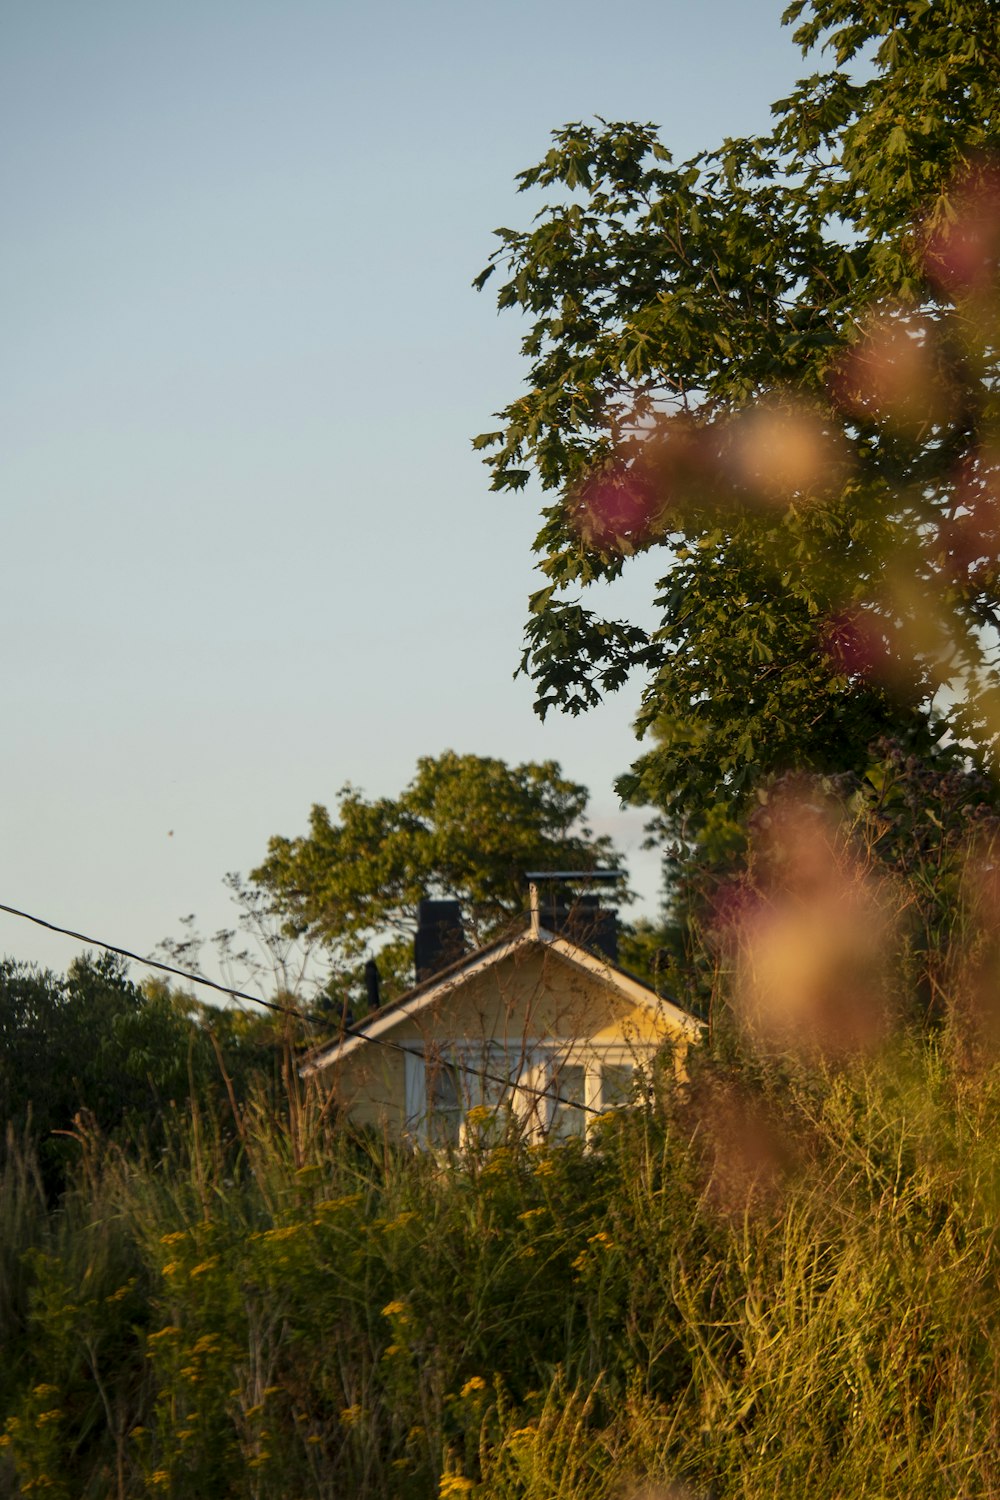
x=440, y=939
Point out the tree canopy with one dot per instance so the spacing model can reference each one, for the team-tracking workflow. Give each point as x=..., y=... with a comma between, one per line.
x=466, y=826
x=92, y=1041
x=775, y=365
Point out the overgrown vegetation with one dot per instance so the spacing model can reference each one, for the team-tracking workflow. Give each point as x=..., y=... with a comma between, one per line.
x=125, y=1056
x=780, y=1276
x=777, y=1280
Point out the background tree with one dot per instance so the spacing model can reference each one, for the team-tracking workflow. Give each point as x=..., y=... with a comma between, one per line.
x=466, y=826
x=93, y=1041
x=776, y=366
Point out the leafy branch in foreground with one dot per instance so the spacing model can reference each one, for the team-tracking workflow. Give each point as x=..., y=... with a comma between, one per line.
x=776, y=366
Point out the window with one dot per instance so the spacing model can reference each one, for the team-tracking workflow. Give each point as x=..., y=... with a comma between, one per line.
x=569, y=1099
x=617, y=1084
x=553, y=1090
x=453, y=1080
x=445, y=1102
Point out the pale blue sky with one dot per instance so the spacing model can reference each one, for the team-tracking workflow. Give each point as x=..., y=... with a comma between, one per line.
x=249, y=554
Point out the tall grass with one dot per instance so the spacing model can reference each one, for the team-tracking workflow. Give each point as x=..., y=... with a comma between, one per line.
x=765, y=1282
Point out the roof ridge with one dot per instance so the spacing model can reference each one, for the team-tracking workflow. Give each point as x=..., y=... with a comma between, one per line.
x=366, y=1029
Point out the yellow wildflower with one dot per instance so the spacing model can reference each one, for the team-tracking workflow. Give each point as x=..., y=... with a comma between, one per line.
x=286, y=1232
x=393, y=1309
x=454, y=1484
x=330, y=1205
x=205, y=1265
x=170, y=1332
x=174, y=1238
x=351, y=1415
x=477, y=1383
x=399, y=1221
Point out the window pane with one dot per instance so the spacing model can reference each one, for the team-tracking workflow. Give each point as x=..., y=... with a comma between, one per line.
x=495, y=1083
x=443, y=1090
x=445, y=1103
x=617, y=1085
x=569, y=1086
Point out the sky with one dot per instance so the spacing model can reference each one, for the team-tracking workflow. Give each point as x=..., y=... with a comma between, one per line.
x=249, y=554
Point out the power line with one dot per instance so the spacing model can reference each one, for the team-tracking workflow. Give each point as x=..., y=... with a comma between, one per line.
x=154, y=963
x=284, y=1010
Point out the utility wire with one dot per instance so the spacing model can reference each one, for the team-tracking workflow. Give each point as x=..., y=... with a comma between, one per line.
x=154, y=963
x=284, y=1010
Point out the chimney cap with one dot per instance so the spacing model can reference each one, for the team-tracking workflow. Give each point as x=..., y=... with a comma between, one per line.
x=436, y=907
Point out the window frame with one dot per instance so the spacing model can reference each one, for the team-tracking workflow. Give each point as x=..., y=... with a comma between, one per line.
x=531, y=1092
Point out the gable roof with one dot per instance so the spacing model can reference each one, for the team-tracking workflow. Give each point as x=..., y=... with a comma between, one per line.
x=422, y=996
